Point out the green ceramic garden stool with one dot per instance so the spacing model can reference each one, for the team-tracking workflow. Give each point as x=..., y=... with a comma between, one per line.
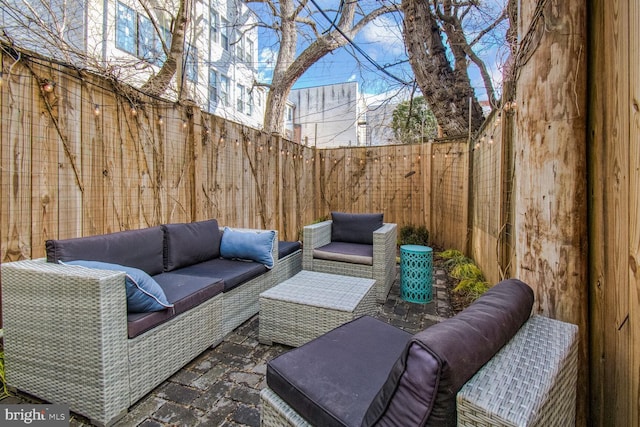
x=416, y=266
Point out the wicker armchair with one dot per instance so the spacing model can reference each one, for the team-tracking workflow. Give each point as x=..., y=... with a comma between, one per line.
x=382, y=270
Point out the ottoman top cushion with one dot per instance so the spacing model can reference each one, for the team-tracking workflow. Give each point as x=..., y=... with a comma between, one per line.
x=332, y=380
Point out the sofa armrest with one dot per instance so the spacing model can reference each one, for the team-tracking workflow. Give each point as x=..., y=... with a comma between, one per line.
x=385, y=243
x=65, y=335
x=531, y=381
x=314, y=236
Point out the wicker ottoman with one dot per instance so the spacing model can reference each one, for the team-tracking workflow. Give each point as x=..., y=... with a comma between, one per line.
x=310, y=304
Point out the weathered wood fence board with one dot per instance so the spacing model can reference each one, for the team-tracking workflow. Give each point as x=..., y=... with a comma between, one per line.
x=633, y=106
x=614, y=156
x=551, y=150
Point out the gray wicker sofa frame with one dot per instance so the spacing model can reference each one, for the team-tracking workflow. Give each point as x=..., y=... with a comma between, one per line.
x=491, y=365
x=66, y=334
x=383, y=266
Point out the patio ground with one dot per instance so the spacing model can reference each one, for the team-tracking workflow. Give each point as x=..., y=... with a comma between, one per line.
x=221, y=387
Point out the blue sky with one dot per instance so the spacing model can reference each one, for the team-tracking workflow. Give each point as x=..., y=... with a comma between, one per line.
x=381, y=41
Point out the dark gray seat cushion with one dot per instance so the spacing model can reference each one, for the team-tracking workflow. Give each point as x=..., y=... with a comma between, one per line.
x=286, y=248
x=190, y=243
x=459, y=346
x=331, y=380
x=355, y=228
x=232, y=272
x=140, y=249
x=355, y=253
x=183, y=291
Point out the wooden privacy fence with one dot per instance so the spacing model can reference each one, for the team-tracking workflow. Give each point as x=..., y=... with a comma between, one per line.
x=82, y=155
x=421, y=184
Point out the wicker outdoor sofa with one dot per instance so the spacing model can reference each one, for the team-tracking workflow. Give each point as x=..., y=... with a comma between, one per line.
x=491, y=365
x=70, y=339
x=359, y=245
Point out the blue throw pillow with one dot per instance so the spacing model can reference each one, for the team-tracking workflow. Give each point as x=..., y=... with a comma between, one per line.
x=248, y=245
x=143, y=293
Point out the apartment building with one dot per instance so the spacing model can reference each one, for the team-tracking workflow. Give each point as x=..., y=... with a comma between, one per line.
x=329, y=116
x=120, y=36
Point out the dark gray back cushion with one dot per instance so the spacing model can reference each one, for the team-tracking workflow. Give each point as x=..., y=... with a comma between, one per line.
x=446, y=355
x=134, y=248
x=354, y=228
x=190, y=243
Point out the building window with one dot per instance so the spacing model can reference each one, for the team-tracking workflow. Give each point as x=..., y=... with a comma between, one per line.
x=149, y=44
x=249, y=53
x=126, y=29
x=245, y=100
x=289, y=113
x=224, y=34
x=213, y=89
x=224, y=90
x=136, y=35
x=249, y=111
x=213, y=26
x=239, y=45
x=240, y=94
x=191, y=63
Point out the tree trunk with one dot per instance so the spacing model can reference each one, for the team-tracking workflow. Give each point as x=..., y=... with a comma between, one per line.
x=159, y=83
x=446, y=89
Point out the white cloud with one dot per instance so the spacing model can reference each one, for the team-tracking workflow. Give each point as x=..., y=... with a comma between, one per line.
x=389, y=97
x=386, y=34
x=268, y=57
x=267, y=63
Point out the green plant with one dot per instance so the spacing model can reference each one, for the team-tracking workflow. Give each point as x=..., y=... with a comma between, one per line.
x=454, y=257
x=5, y=392
x=471, y=280
x=414, y=235
x=466, y=270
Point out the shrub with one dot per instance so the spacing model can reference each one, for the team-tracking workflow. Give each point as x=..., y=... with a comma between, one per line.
x=471, y=280
x=414, y=235
x=4, y=392
x=453, y=258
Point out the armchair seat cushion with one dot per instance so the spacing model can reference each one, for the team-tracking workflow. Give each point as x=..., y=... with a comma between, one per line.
x=355, y=253
x=331, y=380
